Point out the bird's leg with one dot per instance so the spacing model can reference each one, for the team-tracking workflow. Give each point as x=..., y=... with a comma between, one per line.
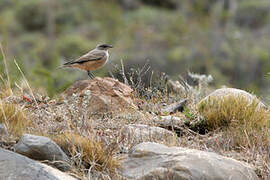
x=90, y=75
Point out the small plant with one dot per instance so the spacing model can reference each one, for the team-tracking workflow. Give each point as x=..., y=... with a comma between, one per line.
x=147, y=85
x=188, y=114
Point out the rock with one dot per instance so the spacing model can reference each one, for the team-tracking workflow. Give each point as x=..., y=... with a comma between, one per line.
x=170, y=122
x=101, y=94
x=137, y=133
x=174, y=107
x=15, y=166
x=42, y=148
x=222, y=93
x=155, y=161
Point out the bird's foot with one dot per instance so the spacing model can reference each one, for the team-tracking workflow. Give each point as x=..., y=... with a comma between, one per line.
x=90, y=75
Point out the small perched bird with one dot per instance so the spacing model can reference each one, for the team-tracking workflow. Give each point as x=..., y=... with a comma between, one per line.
x=92, y=60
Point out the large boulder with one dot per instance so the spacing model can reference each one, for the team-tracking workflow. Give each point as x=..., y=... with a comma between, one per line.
x=155, y=161
x=15, y=166
x=101, y=94
x=42, y=148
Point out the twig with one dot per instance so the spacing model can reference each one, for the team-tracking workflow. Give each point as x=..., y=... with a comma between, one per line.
x=122, y=73
x=111, y=74
x=151, y=78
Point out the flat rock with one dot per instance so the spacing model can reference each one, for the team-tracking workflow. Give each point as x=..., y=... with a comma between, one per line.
x=14, y=166
x=137, y=133
x=101, y=94
x=174, y=107
x=156, y=161
x=173, y=123
x=168, y=121
x=42, y=148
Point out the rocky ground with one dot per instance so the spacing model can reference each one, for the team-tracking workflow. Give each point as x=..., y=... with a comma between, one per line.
x=104, y=129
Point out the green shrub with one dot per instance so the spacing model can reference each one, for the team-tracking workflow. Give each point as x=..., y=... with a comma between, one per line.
x=31, y=14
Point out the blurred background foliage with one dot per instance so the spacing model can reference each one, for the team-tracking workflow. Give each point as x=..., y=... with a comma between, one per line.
x=225, y=38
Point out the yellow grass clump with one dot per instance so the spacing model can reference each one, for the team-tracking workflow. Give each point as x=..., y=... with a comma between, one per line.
x=88, y=152
x=234, y=111
x=245, y=121
x=14, y=118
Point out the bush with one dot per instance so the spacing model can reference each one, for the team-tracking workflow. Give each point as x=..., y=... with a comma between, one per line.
x=252, y=14
x=31, y=14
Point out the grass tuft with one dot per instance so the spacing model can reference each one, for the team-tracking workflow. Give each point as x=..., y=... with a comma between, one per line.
x=13, y=117
x=88, y=153
x=245, y=122
x=234, y=112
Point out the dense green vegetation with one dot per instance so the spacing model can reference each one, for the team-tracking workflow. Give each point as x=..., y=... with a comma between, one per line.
x=227, y=39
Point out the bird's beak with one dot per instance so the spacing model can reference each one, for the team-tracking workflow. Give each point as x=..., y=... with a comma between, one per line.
x=110, y=46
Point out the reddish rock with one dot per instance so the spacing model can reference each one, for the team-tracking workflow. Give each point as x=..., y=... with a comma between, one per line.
x=102, y=94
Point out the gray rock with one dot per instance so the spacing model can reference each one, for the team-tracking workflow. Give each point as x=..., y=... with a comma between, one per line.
x=174, y=107
x=176, y=124
x=169, y=121
x=155, y=161
x=137, y=133
x=14, y=166
x=42, y=148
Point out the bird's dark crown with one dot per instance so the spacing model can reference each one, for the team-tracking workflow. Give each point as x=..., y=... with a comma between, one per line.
x=104, y=46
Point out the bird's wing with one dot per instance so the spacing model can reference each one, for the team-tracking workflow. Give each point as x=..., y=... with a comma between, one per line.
x=91, y=56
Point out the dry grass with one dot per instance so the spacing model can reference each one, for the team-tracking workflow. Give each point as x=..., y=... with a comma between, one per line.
x=5, y=92
x=14, y=118
x=88, y=153
x=234, y=112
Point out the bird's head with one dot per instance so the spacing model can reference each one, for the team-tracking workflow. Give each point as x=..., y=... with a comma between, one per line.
x=104, y=46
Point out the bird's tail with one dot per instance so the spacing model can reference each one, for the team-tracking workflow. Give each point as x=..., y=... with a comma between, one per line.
x=63, y=66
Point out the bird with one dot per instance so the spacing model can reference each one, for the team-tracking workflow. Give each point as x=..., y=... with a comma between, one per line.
x=92, y=60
